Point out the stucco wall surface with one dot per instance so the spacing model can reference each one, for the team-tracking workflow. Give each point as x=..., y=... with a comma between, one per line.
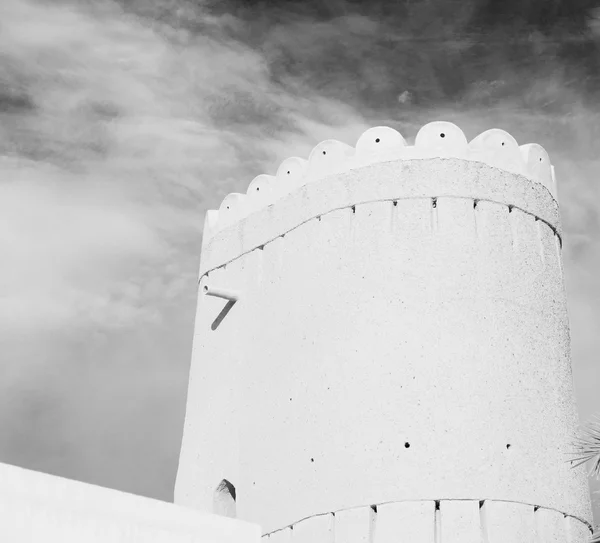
x=450, y=521
x=401, y=334
x=36, y=507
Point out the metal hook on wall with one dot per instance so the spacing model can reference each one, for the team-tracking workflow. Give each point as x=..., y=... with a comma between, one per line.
x=226, y=294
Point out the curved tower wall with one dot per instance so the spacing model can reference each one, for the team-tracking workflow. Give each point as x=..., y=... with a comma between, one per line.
x=400, y=340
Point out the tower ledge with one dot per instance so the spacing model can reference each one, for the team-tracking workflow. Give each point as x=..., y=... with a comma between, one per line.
x=384, y=181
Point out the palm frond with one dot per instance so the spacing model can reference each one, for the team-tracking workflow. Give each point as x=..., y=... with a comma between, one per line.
x=588, y=447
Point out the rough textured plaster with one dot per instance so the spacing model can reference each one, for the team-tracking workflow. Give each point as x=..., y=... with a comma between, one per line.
x=401, y=334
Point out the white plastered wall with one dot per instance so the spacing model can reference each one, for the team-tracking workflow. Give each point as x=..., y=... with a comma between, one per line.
x=401, y=334
x=37, y=507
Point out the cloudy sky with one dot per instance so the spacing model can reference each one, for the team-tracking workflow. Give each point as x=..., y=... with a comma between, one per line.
x=121, y=123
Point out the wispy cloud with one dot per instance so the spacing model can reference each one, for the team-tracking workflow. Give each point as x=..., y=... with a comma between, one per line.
x=118, y=129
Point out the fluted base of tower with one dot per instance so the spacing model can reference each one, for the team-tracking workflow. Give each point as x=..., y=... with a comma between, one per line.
x=432, y=521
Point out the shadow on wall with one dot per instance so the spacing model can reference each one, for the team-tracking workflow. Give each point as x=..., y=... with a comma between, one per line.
x=224, y=499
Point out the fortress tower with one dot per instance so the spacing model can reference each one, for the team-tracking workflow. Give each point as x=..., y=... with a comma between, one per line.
x=382, y=350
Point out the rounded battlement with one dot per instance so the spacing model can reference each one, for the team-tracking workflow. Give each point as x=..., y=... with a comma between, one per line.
x=495, y=148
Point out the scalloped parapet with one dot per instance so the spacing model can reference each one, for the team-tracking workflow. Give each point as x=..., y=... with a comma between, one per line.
x=381, y=144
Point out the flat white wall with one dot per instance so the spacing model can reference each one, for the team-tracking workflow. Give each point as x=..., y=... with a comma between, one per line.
x=402, y=334
x=36, y=507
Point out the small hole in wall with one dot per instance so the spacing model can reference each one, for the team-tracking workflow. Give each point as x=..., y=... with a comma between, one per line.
x=502, y=144
x=324, y=152
x=257, y=189
x=374, y=508
x=395, y=202
x=312, y=459
x=510, y=208
x=540, y=159
x=508, y=445
x=475, y=202
x=535, y=508
x=377, y=140
x=205, y=288
x=261, y=247
x=434, y=203
x=481, y=502
x=442, y=135
x=318, y=217
x=407, y=445
x=353, y=209
x=288, y=172
x=437, y=505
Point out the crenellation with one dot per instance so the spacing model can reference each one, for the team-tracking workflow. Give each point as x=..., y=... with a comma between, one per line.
x=499, y=149
x=443, y=139
x=330, y=157
x=379, y=144
x=260, y=193
x=537, y=163
x=382, y=145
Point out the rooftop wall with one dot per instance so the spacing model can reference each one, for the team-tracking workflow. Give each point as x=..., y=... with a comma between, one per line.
x=400, y=333
x=36, y=507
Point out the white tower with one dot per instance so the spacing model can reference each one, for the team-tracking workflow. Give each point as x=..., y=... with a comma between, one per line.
x=382, y=348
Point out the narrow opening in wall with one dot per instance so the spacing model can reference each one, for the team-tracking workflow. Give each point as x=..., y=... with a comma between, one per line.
x=353, y=209
x=535, y=508
x=224, y=498
x=437, y=523
x=372, y=523
x=395, y=202
x=510, y=208
x=434, y=203
x=261, y=247
x=475, y=202
x=484, y=538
